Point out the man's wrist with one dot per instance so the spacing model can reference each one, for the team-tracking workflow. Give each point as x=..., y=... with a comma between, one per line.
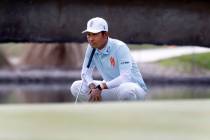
x=102, y=86
x=99, y=87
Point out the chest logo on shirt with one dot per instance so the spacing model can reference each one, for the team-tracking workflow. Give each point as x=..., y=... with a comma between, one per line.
x=112, y=61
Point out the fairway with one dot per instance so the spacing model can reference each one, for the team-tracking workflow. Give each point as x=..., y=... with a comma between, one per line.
x=149, y=120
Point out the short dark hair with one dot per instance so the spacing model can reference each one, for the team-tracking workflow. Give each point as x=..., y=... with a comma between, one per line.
x=103, y=32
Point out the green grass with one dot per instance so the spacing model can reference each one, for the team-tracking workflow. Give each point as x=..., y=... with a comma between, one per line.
x=150, y=120
x=188, y=61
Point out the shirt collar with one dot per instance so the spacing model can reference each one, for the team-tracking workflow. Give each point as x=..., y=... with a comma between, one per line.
x=105, y=50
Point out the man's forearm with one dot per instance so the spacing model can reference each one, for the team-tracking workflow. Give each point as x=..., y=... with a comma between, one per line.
x=117, y=81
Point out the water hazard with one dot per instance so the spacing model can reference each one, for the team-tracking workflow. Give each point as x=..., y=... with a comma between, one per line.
x=55, y=93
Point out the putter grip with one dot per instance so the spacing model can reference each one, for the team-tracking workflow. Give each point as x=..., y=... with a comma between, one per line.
x=91, y=57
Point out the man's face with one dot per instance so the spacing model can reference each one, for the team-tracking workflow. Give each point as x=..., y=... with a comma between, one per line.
x=97, y=40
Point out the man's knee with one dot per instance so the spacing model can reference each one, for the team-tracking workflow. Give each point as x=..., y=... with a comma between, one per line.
x=127, y=95
x=75, y=88
x=127, y=92
x=131, y=91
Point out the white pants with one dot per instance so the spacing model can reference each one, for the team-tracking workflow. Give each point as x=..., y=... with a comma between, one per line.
x=126, y=91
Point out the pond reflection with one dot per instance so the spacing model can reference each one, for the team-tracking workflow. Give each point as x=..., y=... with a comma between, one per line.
x=179, y=92
x=46, y=93
x=35, y=93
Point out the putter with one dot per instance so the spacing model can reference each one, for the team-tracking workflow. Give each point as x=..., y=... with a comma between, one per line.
x=88, y=65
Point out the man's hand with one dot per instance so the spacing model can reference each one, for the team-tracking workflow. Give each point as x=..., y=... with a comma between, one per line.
x=95, y=95
x=91, y=86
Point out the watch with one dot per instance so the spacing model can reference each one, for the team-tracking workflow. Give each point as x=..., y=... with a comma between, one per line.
x=99, y=87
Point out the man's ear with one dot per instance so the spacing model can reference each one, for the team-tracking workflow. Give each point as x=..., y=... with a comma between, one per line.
x=106, y=34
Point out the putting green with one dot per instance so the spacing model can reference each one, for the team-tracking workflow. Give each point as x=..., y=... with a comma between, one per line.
x=150, y=120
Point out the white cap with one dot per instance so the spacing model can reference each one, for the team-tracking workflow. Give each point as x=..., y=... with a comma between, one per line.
x=96, y=25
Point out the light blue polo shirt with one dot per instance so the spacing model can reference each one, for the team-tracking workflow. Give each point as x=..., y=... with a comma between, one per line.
x=114, y=59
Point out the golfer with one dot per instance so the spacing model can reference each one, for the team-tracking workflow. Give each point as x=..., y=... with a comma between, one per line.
x=112, y=58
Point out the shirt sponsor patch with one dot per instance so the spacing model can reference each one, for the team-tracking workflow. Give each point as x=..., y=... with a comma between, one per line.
x=112, y=61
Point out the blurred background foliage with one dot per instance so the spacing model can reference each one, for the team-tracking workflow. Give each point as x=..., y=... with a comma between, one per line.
x=65, y=59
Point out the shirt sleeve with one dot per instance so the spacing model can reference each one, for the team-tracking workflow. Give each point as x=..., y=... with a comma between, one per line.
x=125, y=66
x=86, y=73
